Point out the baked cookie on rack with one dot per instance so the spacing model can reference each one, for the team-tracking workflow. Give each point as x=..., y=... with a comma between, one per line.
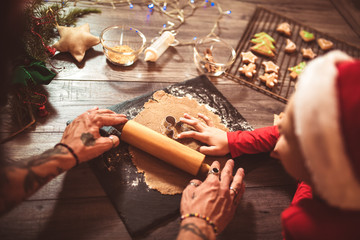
x=308, y=53
x=270, y=79
x=248, y=57
x=295, y=71
x=271, y=67
x=290, y=46
x=307, y=36
x=325, y=44
x=264, y=44
x=284, y=28
x=249, y=70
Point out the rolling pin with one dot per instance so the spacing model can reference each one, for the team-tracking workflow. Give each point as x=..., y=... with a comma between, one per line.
x=164, y=148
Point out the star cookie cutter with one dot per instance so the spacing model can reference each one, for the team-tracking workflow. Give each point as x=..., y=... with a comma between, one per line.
x=173, y=128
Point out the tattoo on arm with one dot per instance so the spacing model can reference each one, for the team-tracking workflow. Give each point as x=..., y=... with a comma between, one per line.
x=32, y=180
x=88, y=139
x=191, y=227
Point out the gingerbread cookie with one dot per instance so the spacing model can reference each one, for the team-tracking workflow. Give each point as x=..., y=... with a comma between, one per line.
x=271, y=67
x=297, y=70
x=264, y=44
x=248, y=70
x=325, y=44
x=284, y=28
x=210, y=66
x=307, y=36
x=308, y=53
x=270, y=79
x=290, y=46
x=248, y=57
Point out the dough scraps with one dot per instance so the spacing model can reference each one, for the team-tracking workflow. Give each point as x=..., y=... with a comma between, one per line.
x=158, y=174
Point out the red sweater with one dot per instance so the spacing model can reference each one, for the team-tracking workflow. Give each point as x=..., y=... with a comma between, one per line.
x=307, y=217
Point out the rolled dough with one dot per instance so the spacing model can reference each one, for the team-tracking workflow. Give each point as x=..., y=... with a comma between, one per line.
x=158, y=174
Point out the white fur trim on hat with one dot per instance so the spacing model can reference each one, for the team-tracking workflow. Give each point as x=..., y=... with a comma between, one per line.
x=317, y=126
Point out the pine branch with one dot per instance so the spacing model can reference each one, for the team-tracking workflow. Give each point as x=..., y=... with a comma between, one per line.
x=40, y=25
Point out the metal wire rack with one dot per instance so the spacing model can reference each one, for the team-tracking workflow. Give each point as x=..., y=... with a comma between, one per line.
x=267, y=21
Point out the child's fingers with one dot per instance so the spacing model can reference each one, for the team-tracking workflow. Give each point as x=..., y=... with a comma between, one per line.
x=196, y=123
x=192, y=134
x=208, y=121
x=210, y=150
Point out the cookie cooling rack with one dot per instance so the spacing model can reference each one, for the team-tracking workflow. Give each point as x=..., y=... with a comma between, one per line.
x=267, y=21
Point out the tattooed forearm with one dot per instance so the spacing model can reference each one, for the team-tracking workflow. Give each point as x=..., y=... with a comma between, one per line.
x=192, y=228
x=88, y=139
x=31, y=179
x=36, y=160
x=19, y=179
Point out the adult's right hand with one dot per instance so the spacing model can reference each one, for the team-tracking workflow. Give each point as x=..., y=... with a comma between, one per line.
x=216, y=198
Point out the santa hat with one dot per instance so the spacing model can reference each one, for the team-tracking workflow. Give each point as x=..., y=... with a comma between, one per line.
x=327, y=125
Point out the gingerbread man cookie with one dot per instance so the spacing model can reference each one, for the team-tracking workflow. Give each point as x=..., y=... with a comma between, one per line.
x=290, y=46
x=325, y=44
x=271, y=67
x=270, y=79
x=210, y=66
x=248, y=57
x=248, y=70
x=308, y=53
x=307, y=36
x=284, y=28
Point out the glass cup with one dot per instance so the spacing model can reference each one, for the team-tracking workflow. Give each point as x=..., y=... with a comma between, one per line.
x=213, y=56
x=122, y=44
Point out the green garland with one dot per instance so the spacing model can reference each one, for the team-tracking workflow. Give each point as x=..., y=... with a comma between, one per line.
x=27, y=98
x=40, y=25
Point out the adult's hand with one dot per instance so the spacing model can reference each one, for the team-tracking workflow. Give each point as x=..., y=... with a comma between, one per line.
x=215, y=138
x=216, y=198
x=83, y=136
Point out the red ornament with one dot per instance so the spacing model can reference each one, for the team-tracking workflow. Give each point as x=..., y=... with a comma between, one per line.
x=42, y=112
x=51, y=50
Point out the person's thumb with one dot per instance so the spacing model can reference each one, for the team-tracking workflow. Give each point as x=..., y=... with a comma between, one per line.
x=210, y=150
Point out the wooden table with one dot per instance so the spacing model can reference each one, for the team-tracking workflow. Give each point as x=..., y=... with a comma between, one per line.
x=74, y=205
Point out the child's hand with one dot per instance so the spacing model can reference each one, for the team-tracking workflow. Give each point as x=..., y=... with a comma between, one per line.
x=215, y=138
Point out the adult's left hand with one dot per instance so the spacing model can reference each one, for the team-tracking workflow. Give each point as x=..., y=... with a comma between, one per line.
x=83, y=136
x=217, y=197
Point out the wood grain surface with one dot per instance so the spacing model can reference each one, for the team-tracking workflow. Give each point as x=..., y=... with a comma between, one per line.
x=74, y=206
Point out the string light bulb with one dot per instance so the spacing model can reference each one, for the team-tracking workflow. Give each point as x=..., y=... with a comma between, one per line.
x=176, y=12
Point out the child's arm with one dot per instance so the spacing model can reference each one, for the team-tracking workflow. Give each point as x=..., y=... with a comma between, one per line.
x=237, y=143
x=251, y=142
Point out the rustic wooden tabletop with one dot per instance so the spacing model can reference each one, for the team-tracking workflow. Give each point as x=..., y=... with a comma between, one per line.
x=74, y=205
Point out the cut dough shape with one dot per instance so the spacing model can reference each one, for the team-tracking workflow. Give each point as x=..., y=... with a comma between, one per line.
x=158, y=174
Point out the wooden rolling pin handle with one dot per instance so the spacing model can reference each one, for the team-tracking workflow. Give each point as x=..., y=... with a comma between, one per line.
x=203, y=171
x=162, y=147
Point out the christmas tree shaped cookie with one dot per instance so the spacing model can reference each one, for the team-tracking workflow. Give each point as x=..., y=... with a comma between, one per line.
x=297, y=70
x=264, y=44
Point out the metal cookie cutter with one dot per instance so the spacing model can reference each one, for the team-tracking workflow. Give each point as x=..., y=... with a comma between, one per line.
x=172, y=127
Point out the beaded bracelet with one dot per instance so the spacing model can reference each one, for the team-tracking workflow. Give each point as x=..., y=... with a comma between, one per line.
x=70, y=150
x=207, y=219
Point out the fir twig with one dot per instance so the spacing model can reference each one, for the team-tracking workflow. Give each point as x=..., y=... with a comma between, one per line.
x=41, y=19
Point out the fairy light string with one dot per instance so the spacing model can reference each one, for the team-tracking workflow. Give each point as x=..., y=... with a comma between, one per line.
x=175, y=10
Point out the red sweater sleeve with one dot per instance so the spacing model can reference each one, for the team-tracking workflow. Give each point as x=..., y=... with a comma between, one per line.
x=251, y=142
x=310, y=218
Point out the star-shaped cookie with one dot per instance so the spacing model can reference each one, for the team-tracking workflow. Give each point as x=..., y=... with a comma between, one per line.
x=248, y=57
x=271, y=67
x=76, y=40
x=308, y=53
